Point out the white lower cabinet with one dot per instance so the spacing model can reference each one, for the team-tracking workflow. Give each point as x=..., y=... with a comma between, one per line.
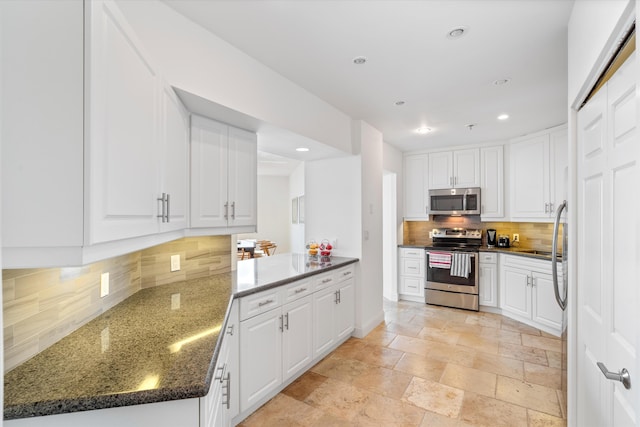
x=488, y=279
x=333, y=316
x=526, y=292
x=220, y=405
x=283, y=331
x=411, y=273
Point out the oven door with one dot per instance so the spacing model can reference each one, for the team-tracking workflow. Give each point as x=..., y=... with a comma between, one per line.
x=441, y=278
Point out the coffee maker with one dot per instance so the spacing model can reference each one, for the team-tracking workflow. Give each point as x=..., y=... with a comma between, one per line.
x=491, y=238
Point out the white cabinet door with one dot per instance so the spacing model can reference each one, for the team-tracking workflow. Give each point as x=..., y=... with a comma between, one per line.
x=529, y=168
x=345, y=310
x=242, y=181
x=416, y=187
x=175, y=171
x=122, y=129
x=488, y=285
x=492, y=182
x=515, y=295
x=323, y=323
x=260, y=357
x=297, y=350
x=559, y=168
x=466, y=168
x=441, y=170
x=42, y=127
x=545, y=309
x=209, y=206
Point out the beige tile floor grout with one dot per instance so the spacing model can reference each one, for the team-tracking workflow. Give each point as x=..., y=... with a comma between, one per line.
x=429, y=366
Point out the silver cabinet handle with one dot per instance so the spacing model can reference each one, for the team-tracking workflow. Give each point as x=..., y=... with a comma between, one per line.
x=226, y=210
x=220, y=373
x=336, y=295
x=286, y=319
x=163, y=200
x=230, y=330
x=546, y=208
x=227, y=391
x=346, y=273
x=297, y=291
x=168, y=202
x=326, y=280
x=281, y=324
x=233, y=210
x=622, y=376
x=339, y=296
x=263, y=303
x=528, y=281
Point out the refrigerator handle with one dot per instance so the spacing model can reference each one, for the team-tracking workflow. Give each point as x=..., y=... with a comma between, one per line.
x=554, y=258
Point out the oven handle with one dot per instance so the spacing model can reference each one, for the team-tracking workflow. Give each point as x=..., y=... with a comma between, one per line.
x=472, y=254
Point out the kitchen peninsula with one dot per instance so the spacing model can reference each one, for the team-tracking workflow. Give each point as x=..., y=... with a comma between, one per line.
x=159, y=345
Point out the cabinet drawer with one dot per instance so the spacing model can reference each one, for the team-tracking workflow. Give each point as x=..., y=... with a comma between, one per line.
x=259, y=303
x=297, y=290
x=323, y=281
x=344, y=273
x=531, y=264
x=412, y=252
x=488, y=258
x=412, y=286
x=412, y=267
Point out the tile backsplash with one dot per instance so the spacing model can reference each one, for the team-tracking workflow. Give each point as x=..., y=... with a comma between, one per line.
x=535, y=235
x=41, y=306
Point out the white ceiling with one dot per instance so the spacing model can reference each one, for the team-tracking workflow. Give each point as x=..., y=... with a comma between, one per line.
x=446, y=83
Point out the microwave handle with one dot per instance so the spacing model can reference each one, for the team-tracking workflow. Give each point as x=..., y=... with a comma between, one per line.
x=464, y=202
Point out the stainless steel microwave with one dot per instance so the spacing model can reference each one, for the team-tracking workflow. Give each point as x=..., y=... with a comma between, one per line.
x=455, y=201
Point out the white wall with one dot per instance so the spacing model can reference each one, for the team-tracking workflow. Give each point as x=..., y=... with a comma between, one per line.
x=591, y=26
x=199, y=62
x=273, y=212
x=369, y=310
x=332, y=198
x=296, y=188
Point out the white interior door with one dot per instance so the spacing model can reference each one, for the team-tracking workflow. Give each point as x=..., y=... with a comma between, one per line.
x=607, y=251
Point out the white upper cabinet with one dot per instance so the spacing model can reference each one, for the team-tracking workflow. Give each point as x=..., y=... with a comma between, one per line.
x=102, y=169
x=416, y=187
x=492, y=182
x=123, y=130
x=223, y=176
x=449, y=169
x=538, y=166
x=175, y=170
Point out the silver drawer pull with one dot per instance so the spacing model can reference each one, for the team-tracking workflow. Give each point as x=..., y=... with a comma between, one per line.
x=297, y=291
x=220, y=373
x=262, y=304
x=326, y=280
x=230, y=330
x=346, y=273
x=622, y=376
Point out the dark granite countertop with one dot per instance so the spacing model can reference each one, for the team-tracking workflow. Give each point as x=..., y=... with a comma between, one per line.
x=143, y=350
x=544, y=254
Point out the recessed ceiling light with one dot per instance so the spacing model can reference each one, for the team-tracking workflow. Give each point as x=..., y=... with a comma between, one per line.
x=423, y=130
x=501, y=82
x=503, y=117
x=359, y=60
x=457, y=32
x=399, y=103
x=302, y=149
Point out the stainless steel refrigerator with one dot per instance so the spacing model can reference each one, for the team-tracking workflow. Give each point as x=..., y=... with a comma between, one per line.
x=560, y=286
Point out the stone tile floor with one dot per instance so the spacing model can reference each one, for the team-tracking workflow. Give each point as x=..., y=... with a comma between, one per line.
x=429, y=366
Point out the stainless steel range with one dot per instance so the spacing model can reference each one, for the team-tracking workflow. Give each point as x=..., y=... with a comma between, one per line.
x=452, y=268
